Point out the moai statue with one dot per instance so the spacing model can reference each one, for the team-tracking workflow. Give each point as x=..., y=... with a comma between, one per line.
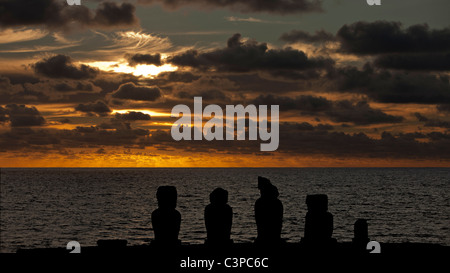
x=318, y=222
x=361, y=234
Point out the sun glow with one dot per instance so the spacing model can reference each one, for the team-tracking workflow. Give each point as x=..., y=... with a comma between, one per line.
x=144, y=70
x=148, y=112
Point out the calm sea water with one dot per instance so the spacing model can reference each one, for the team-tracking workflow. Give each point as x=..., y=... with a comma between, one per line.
x=50, y=207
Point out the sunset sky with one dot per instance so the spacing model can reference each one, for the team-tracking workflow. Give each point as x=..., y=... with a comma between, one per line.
x=94, y=85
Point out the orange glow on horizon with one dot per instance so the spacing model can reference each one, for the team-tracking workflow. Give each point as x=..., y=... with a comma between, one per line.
x=152, y=158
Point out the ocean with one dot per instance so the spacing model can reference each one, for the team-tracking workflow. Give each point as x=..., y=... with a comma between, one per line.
x=48, y=207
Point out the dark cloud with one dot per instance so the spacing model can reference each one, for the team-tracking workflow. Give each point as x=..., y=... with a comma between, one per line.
x=389, y=37
x=306, y=126
x=443, y=108
x=10, y=93
x=420, y=117
x=267, y=6
x=111, y=82
x=306, y=139
x=392, y=87
x=80, y=97
x=70, y=87
x=63, y=87
x=359, y=113
x=110, y=14
x=114, y=124
x=95, y=135
x=414, y=48
x=65, y=121
x=324, y=127
x=61, y=66
x=25, y=138
x=4, y=81
x=248, y=56
x=213, y=94
x=26, y=90
x=380, y=37
x=56, y=14
x=100, y=151
x=294, y=139
x=133, y=116
x=21, y=115
x=430, y=122
x=130, y=91
x=295, y=36
x=86, y=129
x=100, y=108
x=116, y=137
x=136, y=59
x=257, y=83
x=415, y=61
x=22, y=96
x=19, y=78
x=169, y=82
x=177, y=76
x=305, y=103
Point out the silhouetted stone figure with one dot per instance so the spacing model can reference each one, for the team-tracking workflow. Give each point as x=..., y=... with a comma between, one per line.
x=268, y=213
x=218, y=218
x=318, y=222
x=361, y=234
x=166, y=219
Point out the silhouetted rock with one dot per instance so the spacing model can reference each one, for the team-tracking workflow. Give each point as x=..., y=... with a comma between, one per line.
x=218, y=219
x=318, y=221
x=166, y=219
x=268, y=213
